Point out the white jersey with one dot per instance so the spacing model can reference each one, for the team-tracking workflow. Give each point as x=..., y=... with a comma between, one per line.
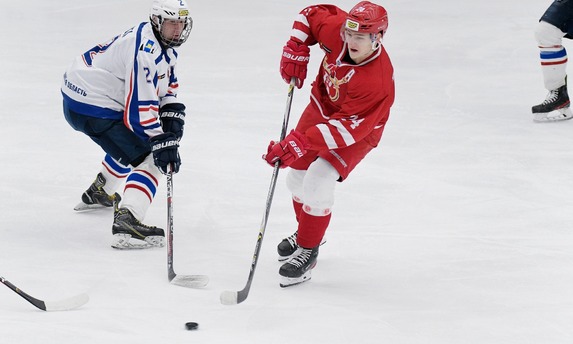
x=127, y=78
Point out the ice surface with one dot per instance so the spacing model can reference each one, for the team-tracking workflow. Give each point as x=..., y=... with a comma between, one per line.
x=457, y=229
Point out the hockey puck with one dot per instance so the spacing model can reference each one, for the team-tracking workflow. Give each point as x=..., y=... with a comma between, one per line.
x=191, y=326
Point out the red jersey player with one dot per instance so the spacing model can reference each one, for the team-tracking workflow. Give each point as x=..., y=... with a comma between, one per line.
x=349, y=106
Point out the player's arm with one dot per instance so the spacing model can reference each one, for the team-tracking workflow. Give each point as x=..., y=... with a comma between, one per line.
x=310, y=24
x=171, y=111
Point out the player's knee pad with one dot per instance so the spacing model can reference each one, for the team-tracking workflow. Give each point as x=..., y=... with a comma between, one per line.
x=294, y=183
x=318, y=188
x=548, y=35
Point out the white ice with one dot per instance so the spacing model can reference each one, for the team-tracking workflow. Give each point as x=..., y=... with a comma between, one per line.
x=457, y=229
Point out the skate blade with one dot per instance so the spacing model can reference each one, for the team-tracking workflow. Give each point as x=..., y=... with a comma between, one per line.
x=84, y=207
x=553, y=116
x=127, y=242
x=291, y=281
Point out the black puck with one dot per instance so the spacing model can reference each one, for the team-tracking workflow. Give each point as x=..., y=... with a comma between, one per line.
x=191, y=326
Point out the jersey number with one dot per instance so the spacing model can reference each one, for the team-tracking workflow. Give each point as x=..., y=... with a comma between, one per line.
x=355, y=121
x=98, y=49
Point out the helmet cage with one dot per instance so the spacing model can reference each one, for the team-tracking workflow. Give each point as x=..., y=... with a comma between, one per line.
x=163, y=11
x=157, y=23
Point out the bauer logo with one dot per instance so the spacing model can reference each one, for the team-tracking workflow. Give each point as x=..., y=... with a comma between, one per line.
x=351, y=25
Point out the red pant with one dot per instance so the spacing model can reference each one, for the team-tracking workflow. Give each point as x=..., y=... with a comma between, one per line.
x=344, y=160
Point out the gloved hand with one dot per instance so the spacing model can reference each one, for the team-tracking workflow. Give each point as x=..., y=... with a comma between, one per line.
x=165, y=152
x=172, y=118
x=288, y=150
x=294, y=62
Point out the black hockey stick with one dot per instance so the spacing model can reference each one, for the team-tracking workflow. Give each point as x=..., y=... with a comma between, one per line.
x=229, y=297
x=61, y=305
x=189, y=281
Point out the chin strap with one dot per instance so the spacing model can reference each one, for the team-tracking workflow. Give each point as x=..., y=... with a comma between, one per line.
x=376, y=43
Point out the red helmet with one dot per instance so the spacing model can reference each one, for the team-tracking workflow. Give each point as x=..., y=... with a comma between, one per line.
x=367, y=17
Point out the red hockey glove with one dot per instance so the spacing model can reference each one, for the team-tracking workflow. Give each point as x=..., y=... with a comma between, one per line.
x=294, y=62
x=288, y=150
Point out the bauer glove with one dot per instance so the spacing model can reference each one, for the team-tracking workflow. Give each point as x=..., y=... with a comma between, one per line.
x=294, y=62
x=288, y=150
x=172, y=118
x=165, y=152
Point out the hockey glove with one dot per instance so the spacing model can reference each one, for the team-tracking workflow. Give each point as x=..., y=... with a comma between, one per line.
x=294, y=62
x=288, y=150
x=165, y=152
x=172, y=118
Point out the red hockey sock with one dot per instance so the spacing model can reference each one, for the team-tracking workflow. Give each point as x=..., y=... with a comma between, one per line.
x=297, y=208
x=311, y=229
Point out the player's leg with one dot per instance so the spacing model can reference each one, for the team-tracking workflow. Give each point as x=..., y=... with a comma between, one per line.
x=318, y=195
x=549, y=32
x=102, y=192
x=294, y=181
x=318, y=198
x=125, y=150
x=140, y=189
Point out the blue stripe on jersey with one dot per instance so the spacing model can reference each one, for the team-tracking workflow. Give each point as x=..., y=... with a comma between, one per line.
x=91, y=110
x=120, y=169
x=143, y=179
x=545, y=55
x=133, y=110
x=172, y=77
x=160, y=58
x=157, y=61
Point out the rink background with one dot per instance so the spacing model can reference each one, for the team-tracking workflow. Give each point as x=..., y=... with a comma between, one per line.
x=457, y=229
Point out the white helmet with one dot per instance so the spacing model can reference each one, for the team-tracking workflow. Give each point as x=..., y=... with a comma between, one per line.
x=176, y=10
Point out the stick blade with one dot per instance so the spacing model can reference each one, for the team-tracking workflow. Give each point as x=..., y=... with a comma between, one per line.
x=190, y=281
x=67, y=304
x=229, y=298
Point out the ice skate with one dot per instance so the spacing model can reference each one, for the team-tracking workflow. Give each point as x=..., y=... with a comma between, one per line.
x=298, y=268
x=288, y=246
x=554, y=108
x=95, y=197
x=130, y=233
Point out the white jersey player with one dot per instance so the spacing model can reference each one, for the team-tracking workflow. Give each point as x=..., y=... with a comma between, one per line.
x=555, y=24
x=123, y=95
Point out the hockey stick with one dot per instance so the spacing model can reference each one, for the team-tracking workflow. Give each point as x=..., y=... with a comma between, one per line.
x=61, y=305
x=229, y=297
x=189, y=281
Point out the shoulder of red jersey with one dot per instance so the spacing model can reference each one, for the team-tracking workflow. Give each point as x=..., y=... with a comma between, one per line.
x=317, y=21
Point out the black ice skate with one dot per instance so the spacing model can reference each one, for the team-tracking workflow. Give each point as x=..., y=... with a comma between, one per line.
x=554, y=108
x=95, y=197
x=288, y=246
x=129, y=233
x=298, y=268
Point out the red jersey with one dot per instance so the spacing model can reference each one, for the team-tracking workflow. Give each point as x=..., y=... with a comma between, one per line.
x=354, y=99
